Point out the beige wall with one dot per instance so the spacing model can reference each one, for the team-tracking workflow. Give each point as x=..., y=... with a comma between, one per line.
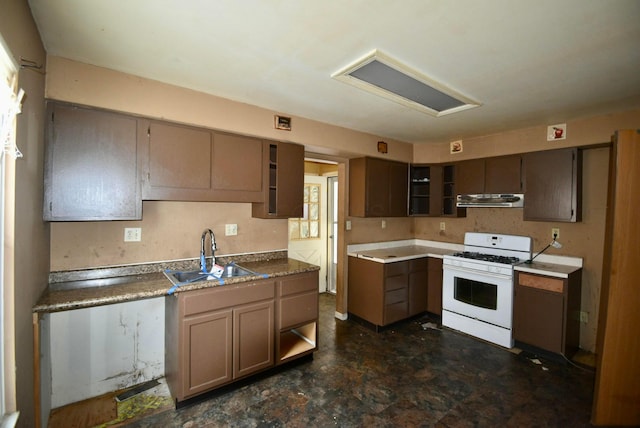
x=580, y=132
x=31, y=249
x=170, y=231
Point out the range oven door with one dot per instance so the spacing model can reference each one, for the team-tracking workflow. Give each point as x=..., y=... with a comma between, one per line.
x=483, y=296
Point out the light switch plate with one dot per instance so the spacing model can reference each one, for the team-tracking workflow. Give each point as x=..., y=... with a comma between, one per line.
x=132, y=234
x=230, y=229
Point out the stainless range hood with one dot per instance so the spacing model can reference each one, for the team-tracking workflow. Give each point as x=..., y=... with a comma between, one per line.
x=489, y=200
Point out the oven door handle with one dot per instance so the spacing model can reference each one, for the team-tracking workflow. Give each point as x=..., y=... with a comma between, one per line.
x=454, y=269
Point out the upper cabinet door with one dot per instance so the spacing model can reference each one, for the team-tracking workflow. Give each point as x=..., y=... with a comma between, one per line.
x=470, y=177
x=180, y=162
x=377, y=195
x=378, y=188
x=552, y=185
x=237, y=168
x=290, y=180
x=503, y=174
x=184, y=163
x=91, y=165
x=491, y=175
x=398, y=189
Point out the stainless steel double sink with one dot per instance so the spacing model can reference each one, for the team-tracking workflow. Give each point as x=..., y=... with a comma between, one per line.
x=231, y=270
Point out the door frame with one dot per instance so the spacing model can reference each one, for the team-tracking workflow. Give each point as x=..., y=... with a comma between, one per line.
x=343, y=169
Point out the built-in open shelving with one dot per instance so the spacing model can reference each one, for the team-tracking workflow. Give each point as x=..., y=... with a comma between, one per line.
x=419, y=189
x=297, y=341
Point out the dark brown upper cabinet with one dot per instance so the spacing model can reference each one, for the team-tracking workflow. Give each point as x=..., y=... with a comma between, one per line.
x=90, y=170
x=378, y=188
x=490, y=175
x=184, y=163
x=552, y=185
x=283, y=175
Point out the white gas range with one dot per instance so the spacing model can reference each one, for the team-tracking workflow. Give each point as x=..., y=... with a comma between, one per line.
x=477, y=289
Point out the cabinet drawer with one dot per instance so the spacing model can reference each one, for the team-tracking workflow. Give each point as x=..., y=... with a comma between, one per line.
x=298, y=284
x=394, y=269
x=396, y=282
x=196, y=302
x=395, y=312
x=298, y=309
x=395, y=296
x=541, y=282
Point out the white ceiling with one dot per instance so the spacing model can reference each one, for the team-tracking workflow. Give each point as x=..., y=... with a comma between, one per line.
x=528, y=62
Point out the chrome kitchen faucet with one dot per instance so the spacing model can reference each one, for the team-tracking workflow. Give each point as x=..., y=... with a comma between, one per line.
x=203, y=260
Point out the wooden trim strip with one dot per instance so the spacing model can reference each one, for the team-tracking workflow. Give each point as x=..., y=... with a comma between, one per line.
x=541, y=282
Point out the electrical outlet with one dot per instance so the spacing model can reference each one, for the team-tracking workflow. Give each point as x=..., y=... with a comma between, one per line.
x=230, y=229
x=132, y=234
x=584, y=317
x=384, y=224
x=443, y=226
x=555, y=233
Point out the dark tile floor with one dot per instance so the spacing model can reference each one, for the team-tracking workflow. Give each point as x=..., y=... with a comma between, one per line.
x=404, y=376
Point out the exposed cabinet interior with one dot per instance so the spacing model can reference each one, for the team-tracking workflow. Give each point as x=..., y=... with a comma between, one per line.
x=425, y=190
x=283, y=175
x=91, y=168
x=546, y=312
x=297, y=341
x=378, y=188
x=552, y=185
x=449, y=193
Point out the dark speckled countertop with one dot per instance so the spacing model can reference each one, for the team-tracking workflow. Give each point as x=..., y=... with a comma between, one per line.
x=95, y=287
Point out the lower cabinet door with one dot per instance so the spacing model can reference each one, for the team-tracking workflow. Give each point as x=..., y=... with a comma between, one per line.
x=206, y=355
x=434, y=290
x=537, y=318
x=253, y=335
x=418, y=286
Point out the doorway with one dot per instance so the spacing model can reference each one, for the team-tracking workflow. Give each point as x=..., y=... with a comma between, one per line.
x=314, y=237
x=308, y=234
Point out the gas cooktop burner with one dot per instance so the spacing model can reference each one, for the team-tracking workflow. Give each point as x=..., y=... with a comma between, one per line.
x=488, y=257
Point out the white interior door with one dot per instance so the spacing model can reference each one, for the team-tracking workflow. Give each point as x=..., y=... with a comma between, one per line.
x=308, y=235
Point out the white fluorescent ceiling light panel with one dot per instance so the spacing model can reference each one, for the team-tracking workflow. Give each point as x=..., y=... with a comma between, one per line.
x=383, y=76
